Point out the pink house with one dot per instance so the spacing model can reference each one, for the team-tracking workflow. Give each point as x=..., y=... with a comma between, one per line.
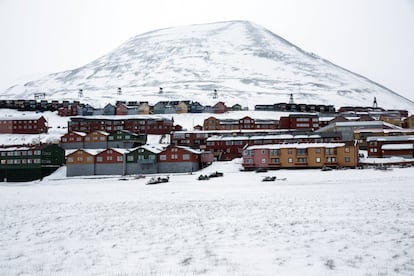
x=220, y=107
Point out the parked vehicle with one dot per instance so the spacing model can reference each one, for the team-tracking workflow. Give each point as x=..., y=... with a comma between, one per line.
x=325, y=168
x=260, y=170
x=203, y=177
x=158, y=180
x=216, y=174
x=269, y=178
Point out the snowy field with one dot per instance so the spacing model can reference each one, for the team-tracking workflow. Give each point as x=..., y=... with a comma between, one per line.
x=347, y=222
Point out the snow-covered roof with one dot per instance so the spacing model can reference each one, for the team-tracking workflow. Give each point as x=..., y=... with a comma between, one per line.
x=262, y=137
x=15, y=148
x=154, y=148
x=196, y=151
x=9, y=117
x=358, y=124
x=391, y=138
x=398, y=147
x=122, y=117
x=384, y=130
x=297, y=146
x=80, y=133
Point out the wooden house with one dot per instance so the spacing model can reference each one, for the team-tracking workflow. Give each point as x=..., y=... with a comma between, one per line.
x=299, y=121
x=182, y=159
x=23, y=124
x=388, y=146
x=142, y=124
x=181, y=107
x=143, y=160
x=73, y=140
x=159, y=107
x=220, y=107
x=196, y=107
x=81, y=162
x=236, y=107
x=144, y=108
x=96, y=140
x=123, y=109
x=110, y=162
x=126, y=139
x=27, y=163
x=109, y=109
x=307, y=155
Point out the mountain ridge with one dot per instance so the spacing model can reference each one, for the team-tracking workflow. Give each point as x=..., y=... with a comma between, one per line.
x=240, y=59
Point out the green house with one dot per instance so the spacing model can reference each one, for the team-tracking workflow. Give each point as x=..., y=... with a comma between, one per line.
x=27, y=163
x=142, y=160
x=126, y=139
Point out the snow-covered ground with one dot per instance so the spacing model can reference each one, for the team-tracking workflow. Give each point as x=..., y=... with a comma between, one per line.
x=345, y=222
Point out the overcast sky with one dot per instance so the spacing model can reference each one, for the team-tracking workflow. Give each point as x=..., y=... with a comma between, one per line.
x=374, y=38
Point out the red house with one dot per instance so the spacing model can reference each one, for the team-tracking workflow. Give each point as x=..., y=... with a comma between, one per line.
x=183, y=159
x=220, y=107
x=299, y=121
x=23, y=125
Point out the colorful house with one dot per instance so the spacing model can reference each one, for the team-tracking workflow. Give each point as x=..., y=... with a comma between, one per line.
x=34, y=124
x=73, y=140
x=220, y=107
x=27, y=163
x=96, y=140
x=81, y=162
x=125, y=139
x=388, y=146
x=143, y=160
x=110, y=162
x=307, y=155
x=182, y=159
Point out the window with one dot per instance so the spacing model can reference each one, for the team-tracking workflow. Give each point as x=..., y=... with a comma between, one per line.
x=186, y=157
x=130, y=158
x=109, y=158
x=301, y=160
x=317, y=150
x=99, y=159
x=174, y=156
x=70, y=159
x=318, y=160
x=347, y=149
x=274, y=152
x=119, y=158
x=263, y=151
x=329, y=151
x=330, y=159
x=263, y=160
x=347, y=159
x=64, y=139
x=229, y=143
x=290, y=160
x=373, y=150
x=290, y=151
x=275, y=160
x=300, y=151
x=79, y=158
x=163, y=157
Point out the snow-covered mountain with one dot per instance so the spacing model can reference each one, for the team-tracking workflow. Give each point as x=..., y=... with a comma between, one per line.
x=244, y=62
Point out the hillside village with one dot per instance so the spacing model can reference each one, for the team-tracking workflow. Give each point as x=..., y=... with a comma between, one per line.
x=114, y=140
